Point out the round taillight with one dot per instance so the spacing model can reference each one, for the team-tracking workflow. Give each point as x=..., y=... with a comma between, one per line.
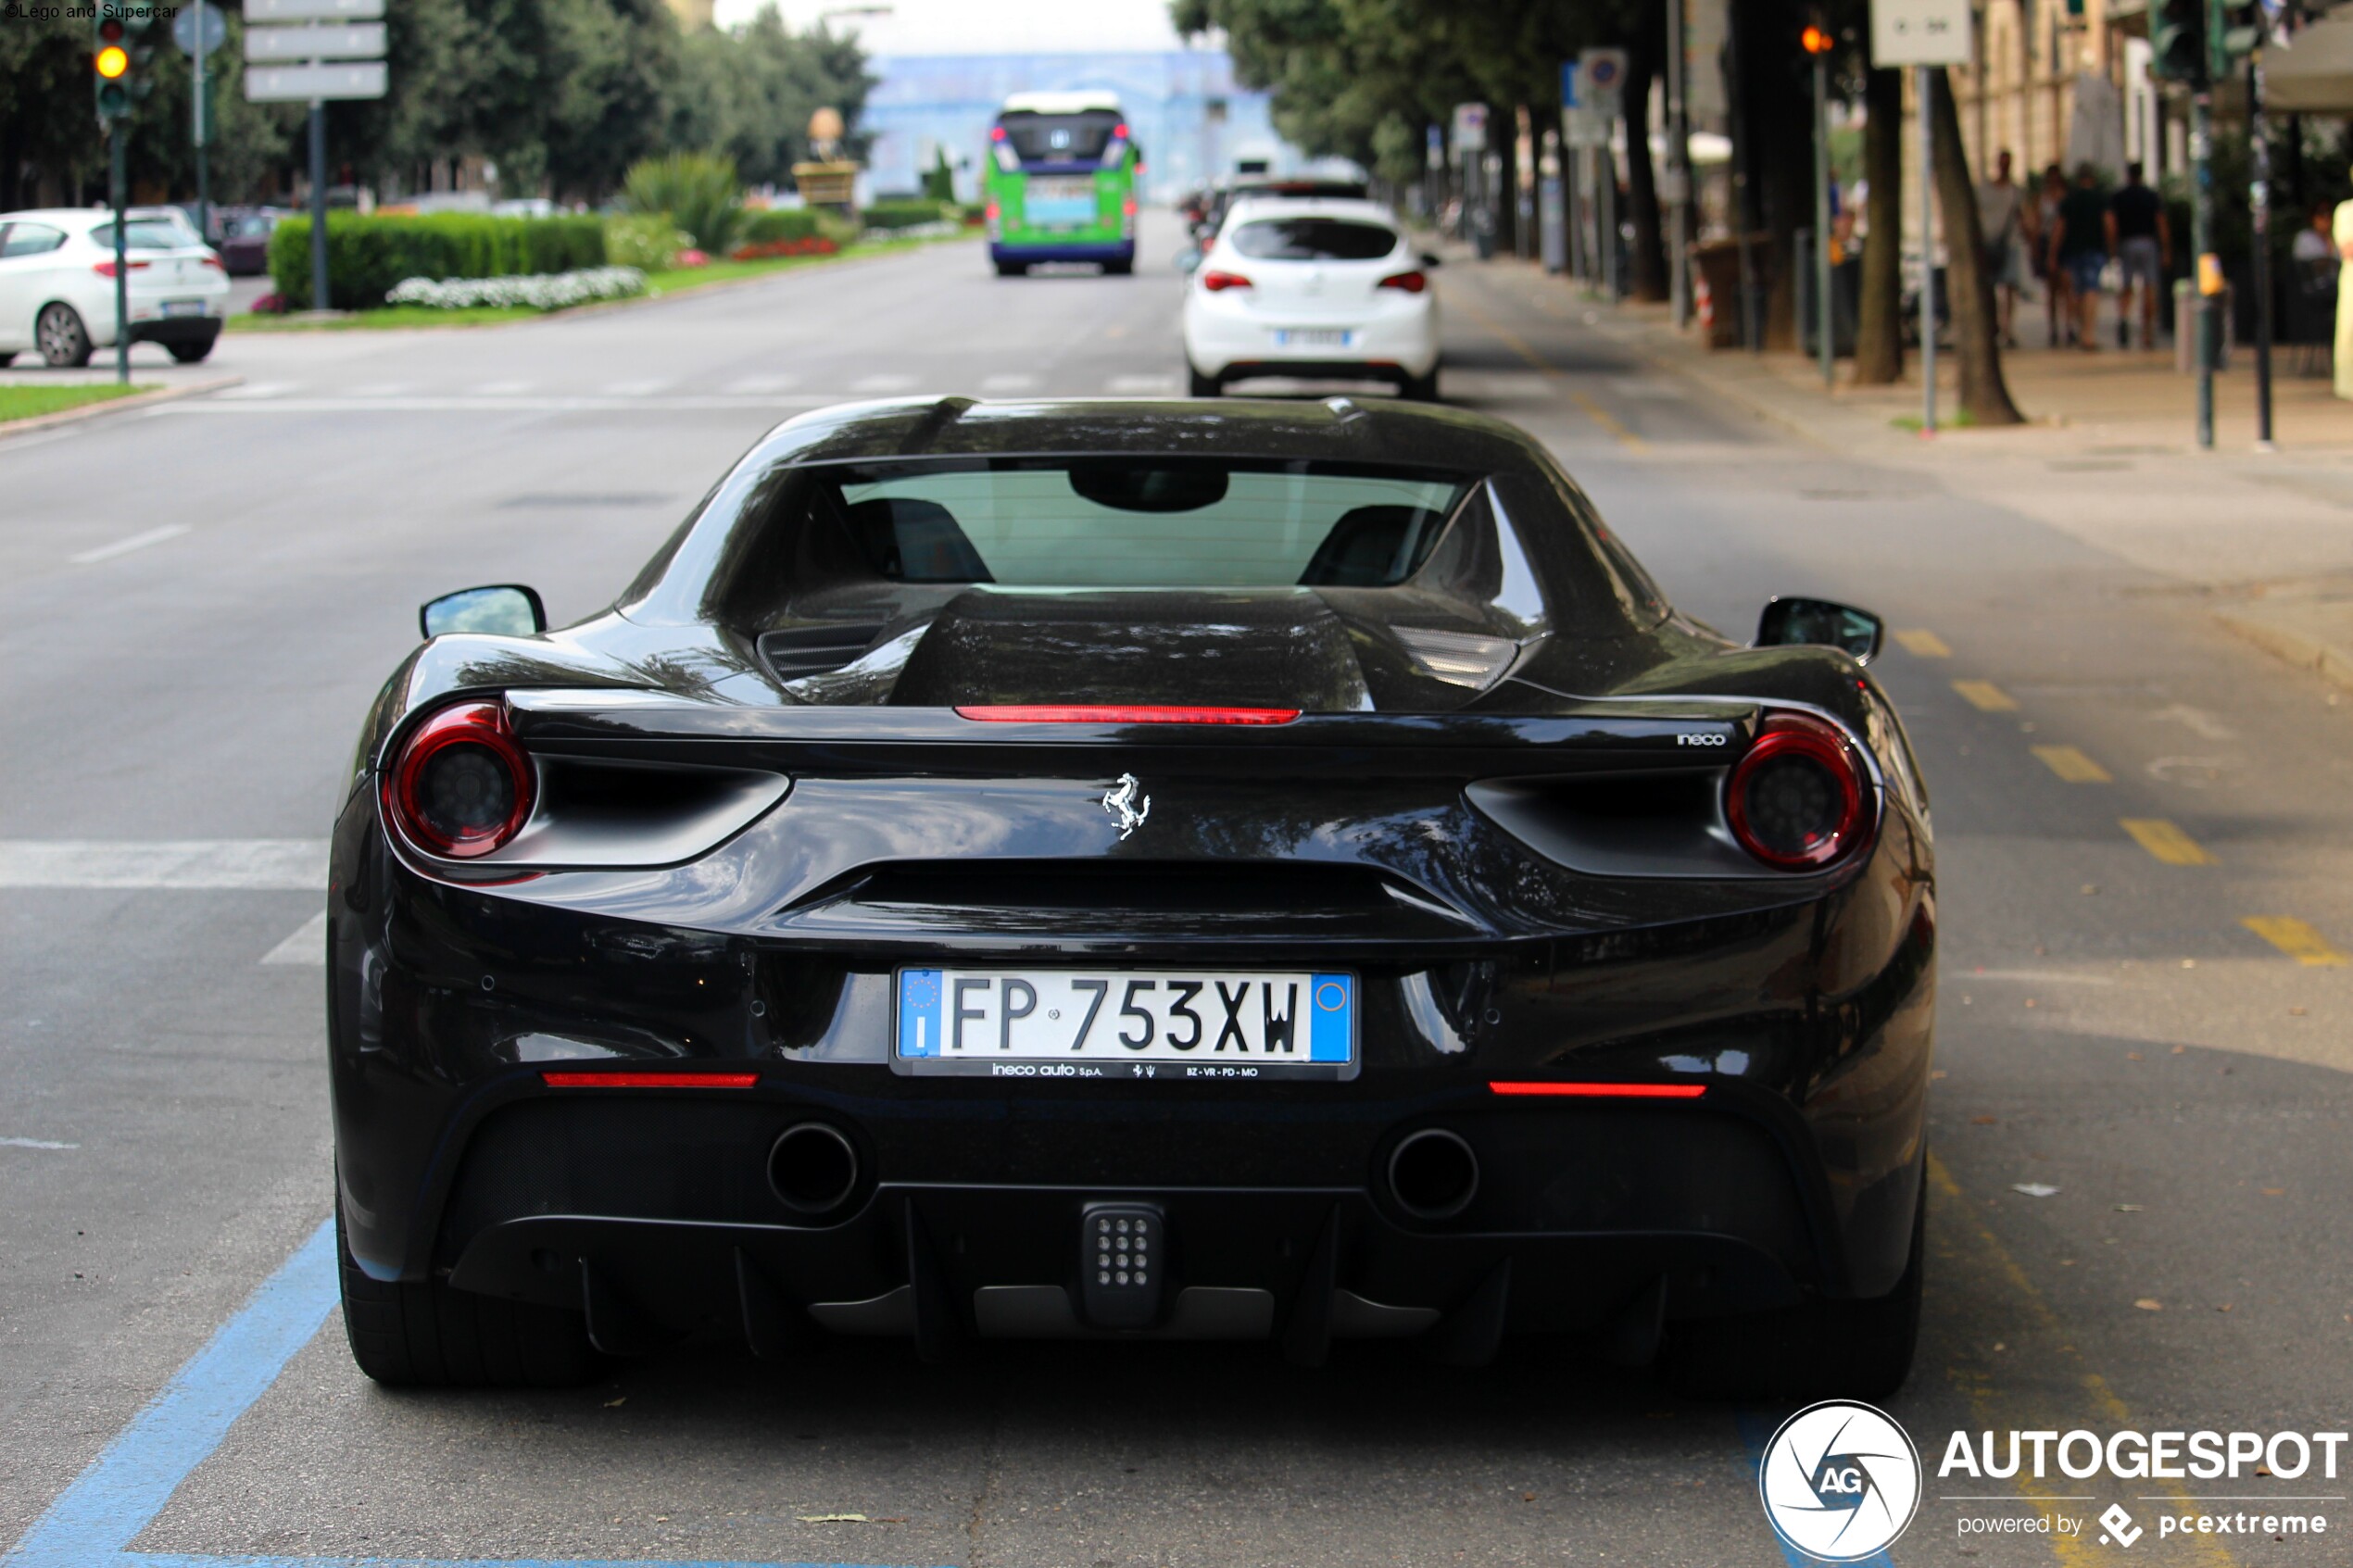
x=461, y=785
x=1796, y=800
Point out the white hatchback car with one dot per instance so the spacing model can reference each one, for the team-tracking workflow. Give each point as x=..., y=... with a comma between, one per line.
x=1314, y=289
x=56, y=284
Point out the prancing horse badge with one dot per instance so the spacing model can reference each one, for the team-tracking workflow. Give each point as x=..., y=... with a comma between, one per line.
x=1126, y=801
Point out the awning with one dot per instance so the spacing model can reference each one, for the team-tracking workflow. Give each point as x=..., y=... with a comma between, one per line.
x=2313, y=74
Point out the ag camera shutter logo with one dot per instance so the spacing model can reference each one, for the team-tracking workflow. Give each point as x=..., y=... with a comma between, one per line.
x=1840, y=1482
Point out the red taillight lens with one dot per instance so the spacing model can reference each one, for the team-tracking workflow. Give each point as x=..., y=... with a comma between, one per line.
x=213, y=261
x=1120, y=131
x=1217, y=283
x=1796, y=800
x=1405, y=282
x=996, y=132
x=1125, y=713
x=105, y=268
x=462, y=785
x=605, y=1080
x=992, y=212
x=1546, y=1088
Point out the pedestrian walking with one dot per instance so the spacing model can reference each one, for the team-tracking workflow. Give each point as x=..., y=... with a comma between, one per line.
x=2079, y=252
x=2001, y=207
x=2142, y=242
x=2056, y=300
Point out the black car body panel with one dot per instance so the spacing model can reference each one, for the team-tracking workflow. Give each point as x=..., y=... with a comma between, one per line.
x=1499, y=808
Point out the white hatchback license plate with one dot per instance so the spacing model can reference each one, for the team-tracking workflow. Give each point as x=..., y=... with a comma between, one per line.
x=184, y=307
x=1152, y=1023
x=1314, y=337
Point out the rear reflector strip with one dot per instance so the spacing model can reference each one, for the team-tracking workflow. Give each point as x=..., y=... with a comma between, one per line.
x=1605, y=1091
x=1128, y=714
x=650, y=1080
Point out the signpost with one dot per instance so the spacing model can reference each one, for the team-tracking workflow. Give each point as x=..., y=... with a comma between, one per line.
x=1927, y=35
x=1602, y=75
x=315, y=50
x=1679, y=167
x=199, y=30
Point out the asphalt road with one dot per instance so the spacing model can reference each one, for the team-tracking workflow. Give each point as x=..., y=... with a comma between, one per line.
x=196, y=602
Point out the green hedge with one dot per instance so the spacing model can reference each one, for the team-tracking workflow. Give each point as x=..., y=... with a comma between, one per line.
x=902, y=214
x=772, y=224
x=367, y=256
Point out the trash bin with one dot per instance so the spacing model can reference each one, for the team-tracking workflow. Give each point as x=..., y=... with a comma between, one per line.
x=2185, y=324
x=1717, y=289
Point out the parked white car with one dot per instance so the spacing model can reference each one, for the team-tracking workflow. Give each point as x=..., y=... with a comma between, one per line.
x=1318, y=290
x=56, y=284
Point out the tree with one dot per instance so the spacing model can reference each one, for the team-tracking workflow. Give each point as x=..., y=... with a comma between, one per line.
x=1985, y=397
x=1878, y=331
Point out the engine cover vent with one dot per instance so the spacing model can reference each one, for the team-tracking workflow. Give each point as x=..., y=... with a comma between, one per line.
x=817, y=650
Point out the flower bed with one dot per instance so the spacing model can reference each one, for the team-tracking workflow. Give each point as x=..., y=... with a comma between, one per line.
x=761, y=250
x=539, y=291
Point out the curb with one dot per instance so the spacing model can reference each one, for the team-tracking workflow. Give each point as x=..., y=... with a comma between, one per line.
x=116, y=405
x=2299, y=649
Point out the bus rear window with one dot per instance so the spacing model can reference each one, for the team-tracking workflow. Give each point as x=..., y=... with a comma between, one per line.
x=1059, y=138
x=1313, y=239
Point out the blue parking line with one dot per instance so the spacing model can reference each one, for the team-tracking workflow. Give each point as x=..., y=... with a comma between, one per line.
x=1756, y=1429
x=94, y=1521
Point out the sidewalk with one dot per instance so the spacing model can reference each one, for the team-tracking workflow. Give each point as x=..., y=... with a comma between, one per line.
x=2109, y=457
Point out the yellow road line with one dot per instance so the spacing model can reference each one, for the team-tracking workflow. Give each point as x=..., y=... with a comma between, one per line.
x=1921, y=642
x=1521, y=346
x=2297, y=939
x=2165, y=841
x=1987, y=698
x=1991, y=1406
x=2072, y=765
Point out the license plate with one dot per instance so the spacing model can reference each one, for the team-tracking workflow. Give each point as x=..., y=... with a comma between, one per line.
x=1128, y=1023
x=184, y=307
x=1314, y=337
x=1059, y=204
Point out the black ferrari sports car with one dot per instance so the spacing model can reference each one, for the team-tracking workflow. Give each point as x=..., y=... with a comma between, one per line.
x=1268, y=871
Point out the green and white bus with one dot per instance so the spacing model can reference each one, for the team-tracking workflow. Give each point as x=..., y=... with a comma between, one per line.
x=1061, y=184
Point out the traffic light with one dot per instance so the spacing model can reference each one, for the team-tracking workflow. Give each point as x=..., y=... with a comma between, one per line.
x=2178, y=41
x=122, y=56
x=1816, y=40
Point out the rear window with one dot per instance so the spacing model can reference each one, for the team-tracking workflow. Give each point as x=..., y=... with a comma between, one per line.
x=145, y=233
x=1059, y=138
x=1051, y=524
x=1313, y=239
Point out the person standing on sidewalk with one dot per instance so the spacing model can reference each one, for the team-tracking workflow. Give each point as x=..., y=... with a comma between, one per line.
x=2142, y=242
x=2342, y=233
x=2001, y=206
x=2078, y=253
x=2058, y=305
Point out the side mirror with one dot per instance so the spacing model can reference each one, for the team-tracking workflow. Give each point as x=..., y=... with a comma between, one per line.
x=1787, y=621
x=1431, y=259
x=507, y=609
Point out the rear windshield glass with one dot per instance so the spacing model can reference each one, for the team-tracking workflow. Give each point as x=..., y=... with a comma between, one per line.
x=145, y=233
x=1313, y=239
x=250, y=228
x=1059, y=138
x=1049, y=524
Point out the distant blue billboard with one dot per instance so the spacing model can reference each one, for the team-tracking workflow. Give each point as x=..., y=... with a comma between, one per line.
x=1193, y=121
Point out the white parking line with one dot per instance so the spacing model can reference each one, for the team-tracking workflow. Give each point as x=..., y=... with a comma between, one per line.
x=259, y=389
x=124, y=546
x=34, y=1143
x=307, y=946
x=210, y=864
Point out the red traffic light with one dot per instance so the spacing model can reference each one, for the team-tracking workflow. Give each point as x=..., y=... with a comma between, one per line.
x=110, y=29
x=1816, y=40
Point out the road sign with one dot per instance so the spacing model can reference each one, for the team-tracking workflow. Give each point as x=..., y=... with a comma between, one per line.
x=1920, y=33
x=1602, y=74
x=1570, y=96
x=1585, y=126
x=1470, y=128
x=184, y=25
x=294, y=84
x=314, y=10
x=348, y=41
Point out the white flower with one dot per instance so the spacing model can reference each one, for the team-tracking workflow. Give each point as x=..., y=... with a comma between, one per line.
x=539, y=291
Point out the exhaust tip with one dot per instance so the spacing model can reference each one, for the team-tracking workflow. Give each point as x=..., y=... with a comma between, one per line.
x=812, y=1168
x=1433, y=1175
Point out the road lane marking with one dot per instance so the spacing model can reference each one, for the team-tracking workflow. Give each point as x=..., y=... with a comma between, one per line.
x=380, y=389
x=1921, y=642
x=1985, y=697
x=259, y=389
x=307, y=946
x=202, y=864
x=889, y=382
x=1609, y=422
x=2165, y=841
x=34, y=1143
x=502, y=388
x=1520, y=346
x=2072, y=765
x=124, y=546
x=2297, y=940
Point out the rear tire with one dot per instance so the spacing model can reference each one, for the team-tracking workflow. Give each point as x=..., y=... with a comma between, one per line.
x=1119, y=268
x=1013, y=269
x=1821, y=1350
x=65, y=342
x=6, y=360
x=432, y=1337
x=1421, y=389
x=1199, y=385
x=190, y=353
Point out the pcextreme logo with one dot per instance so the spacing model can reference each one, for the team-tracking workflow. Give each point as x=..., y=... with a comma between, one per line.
x=1840, y=1481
